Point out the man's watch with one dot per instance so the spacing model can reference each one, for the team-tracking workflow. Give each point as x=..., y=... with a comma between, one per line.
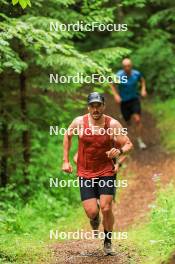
x=121, y=151
x=118, y=163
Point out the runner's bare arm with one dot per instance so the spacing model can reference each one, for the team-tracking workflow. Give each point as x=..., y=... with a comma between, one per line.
x=119, y=142
x=67, y=144
x=143, y=87
x=119, y=162
x=121, y=159
x=121, y=138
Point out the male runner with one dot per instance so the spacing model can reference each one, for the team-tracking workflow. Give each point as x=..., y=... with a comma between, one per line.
x=95, y=164
x=117, y=162
x=126, y=94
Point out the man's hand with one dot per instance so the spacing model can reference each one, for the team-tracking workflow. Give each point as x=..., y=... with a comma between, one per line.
x=143, y=87
x=67, y=167
x=143, y=93
x=113, y=153
x=116, y=168
x=117, y=99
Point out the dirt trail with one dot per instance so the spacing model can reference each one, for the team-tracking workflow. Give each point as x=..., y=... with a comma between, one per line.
x=89, y=252
x=143, y=170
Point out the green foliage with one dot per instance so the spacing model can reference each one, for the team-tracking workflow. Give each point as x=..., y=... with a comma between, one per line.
x=155, y=240
x=25, y=229
x=150, y=39
x=158, y=84
x=164, y=113
x=25, y=224
x=23, y=3
x=30, y=51
x=27, y=42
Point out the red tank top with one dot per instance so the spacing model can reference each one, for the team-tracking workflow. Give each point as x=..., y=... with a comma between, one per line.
x=92, y=159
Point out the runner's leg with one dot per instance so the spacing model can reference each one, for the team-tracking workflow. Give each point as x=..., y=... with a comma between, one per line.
x=138, y=129
x=138, y=125
x=106, y=209
x=91, y=207
x=108, y=221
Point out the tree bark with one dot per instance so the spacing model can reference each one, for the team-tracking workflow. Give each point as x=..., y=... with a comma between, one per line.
x=120, y=14
x=25, y=133
x=4, y=157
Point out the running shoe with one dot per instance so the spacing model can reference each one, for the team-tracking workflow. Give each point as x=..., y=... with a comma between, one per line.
x=108, y=248
x=141, y=144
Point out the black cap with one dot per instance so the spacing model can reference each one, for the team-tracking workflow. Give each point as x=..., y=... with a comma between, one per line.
x=95, y=98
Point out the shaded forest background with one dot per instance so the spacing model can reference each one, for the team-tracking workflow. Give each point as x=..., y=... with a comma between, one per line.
x=29, y=52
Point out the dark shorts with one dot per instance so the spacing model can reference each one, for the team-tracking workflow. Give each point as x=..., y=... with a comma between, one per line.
x=129, y=108
x=93, y=188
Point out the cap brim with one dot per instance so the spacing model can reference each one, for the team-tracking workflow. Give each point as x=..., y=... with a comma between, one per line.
x=95, y=101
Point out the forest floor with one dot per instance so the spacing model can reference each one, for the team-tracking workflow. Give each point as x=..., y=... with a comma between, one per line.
x=143, y=170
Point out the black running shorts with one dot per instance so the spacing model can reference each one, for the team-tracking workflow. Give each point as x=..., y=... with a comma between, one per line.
x=130, y=107
x=93, y=188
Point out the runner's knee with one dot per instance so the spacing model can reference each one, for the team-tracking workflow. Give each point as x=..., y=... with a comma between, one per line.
x=137, y=119
x=91, y=212
x=106, y=207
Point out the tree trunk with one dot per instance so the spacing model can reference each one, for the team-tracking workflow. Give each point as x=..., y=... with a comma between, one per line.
x=120, y=15
x=4, y=158
x=25, y=133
